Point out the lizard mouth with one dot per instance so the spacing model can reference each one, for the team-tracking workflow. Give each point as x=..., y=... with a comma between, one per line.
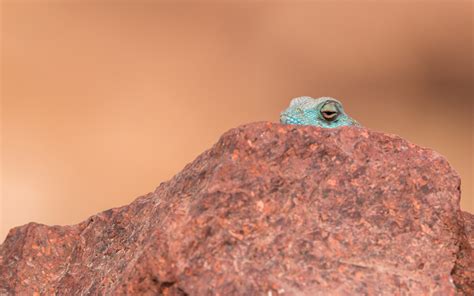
x=330, y=111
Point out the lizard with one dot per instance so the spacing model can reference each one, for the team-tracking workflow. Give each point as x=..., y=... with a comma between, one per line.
x=323, y=112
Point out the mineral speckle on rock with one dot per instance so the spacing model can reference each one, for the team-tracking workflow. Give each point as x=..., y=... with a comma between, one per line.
x=270, y=209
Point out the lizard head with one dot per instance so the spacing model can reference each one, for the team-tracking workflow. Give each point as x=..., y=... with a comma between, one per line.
x=323, y=112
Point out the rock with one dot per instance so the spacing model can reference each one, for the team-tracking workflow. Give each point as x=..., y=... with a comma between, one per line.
x=268, y=210
x=469, y=227
x=463, y=272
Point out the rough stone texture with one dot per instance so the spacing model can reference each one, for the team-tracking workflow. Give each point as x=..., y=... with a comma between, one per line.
x=463, y=272
x=469, y=226
x=270, y=209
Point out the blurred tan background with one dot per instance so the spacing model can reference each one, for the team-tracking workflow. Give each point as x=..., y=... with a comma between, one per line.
x=103, y=101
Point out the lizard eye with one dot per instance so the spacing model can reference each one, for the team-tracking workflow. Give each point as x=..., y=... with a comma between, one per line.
x=330, y=111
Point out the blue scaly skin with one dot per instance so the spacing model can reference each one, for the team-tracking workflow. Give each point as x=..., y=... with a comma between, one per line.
x=323, y=112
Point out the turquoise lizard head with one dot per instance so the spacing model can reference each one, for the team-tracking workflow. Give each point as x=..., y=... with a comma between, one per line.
x=323, y=112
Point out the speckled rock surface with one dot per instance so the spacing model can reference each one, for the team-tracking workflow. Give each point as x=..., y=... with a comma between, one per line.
x=269, y=209
x=469, y=226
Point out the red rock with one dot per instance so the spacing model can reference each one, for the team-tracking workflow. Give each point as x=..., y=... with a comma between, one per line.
x=270, y=209
x=469, y=227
